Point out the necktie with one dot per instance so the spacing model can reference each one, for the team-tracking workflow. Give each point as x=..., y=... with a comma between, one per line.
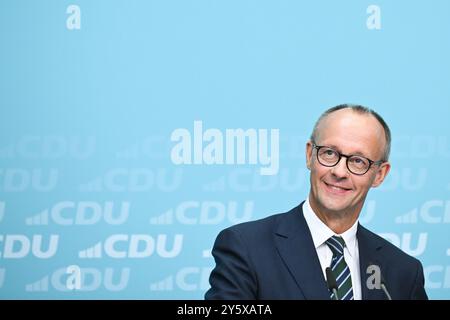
x=340, y=269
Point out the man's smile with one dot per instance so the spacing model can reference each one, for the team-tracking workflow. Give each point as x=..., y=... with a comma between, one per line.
x=336, y=189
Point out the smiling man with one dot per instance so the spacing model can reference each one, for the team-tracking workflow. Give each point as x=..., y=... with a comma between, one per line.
x=318, y=250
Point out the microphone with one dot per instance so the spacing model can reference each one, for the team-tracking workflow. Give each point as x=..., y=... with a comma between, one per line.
x=331, y=282
x=380, y=283
x=383, y=287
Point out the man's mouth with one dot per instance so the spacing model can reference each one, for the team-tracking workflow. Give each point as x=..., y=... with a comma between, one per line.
x=336, y=188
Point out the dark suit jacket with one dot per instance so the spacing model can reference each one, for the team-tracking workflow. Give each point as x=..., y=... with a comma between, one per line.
x=275, y=258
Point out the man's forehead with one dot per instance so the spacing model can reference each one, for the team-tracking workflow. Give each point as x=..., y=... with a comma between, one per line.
x=347, y=119
x=359, y=133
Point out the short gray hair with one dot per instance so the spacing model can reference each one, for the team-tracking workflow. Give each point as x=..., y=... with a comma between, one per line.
x=362, y=110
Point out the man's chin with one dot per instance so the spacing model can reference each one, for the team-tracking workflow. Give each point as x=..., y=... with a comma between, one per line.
x=335, y=206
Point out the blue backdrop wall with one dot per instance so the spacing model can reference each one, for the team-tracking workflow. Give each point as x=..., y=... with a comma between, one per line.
x=94, y=96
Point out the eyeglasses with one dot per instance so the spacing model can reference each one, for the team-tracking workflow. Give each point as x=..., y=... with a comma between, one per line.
x=358, y=165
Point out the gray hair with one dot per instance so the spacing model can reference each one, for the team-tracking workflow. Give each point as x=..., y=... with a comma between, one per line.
x=362, y=110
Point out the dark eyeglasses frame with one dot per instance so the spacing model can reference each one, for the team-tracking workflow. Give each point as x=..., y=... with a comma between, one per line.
x=371, y=162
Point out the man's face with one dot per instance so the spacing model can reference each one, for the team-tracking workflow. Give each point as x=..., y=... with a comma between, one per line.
x=335, y=189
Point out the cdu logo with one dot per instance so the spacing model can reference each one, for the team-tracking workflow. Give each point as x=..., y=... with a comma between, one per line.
x=17, y=246
x=185, y=279
x=50, y=147
x=135, y=180
x=404, y=241
x=135, y=246
x=68, y=213
x=408, y=179
x=19, y=179
x=206, y=213
x=437, y=277
x=432, y=212
x=82, y=279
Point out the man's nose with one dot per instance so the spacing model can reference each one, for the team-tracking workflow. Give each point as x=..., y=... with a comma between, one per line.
x=340, y=170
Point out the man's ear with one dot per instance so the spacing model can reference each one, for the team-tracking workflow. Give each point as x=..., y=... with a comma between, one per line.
x=381, y=174
x=308, y=154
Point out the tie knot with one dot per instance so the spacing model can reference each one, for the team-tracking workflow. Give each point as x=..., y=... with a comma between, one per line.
x=336, y=244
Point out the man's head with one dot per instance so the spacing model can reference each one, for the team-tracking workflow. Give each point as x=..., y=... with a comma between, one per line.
x=340, y=190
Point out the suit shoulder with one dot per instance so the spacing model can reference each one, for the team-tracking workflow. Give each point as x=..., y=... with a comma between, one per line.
x=261, y=229
x=390, y=250
x=255, y=227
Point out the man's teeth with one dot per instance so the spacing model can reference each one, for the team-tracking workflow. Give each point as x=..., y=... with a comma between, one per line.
x=338, y=188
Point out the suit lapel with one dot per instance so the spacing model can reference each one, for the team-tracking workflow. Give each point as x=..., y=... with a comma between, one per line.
x=296, y=248
x=369, y=246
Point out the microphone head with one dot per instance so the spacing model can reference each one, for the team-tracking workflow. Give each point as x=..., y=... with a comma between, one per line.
x=331, y=280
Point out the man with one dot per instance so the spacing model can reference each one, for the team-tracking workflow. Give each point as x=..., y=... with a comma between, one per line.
x=286, y=256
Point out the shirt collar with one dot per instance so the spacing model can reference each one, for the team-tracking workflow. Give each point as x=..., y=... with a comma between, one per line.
x=320, y=232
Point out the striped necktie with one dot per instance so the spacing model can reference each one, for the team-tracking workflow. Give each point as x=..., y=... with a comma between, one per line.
x=340, y=269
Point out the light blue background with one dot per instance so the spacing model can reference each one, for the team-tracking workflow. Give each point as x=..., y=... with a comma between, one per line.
x=137, y=70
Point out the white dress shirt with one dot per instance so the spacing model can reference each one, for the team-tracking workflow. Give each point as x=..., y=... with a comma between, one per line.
x=321, y=233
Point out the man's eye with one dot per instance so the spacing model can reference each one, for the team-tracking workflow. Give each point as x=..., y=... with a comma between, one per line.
x=358, y=161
